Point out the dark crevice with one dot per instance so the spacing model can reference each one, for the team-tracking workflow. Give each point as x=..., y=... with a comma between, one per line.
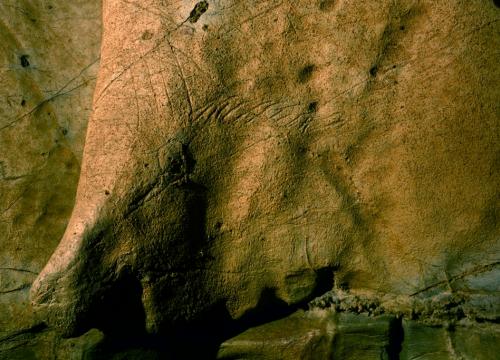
x=199, y=9
x=23, y=59
x=19, y=270
x=483, y=320
x=324, y=281
x=204, y=338
x=312, y=107
x=306, y=73
x=37, y=328
x=19, y=288
x=396, y=339
x=326, y=5
x=269, y=308
x=201, y=338
x=120, y=311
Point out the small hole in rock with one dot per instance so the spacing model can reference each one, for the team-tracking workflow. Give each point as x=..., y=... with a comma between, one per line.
x=326, y=5
x=24, y=60
x=373, y=70
x=106, y=192
x=199, y=9
x=344, y=286
x=205, y=27
x=305, y=73
x=402, y=28
x=146, y=35
x=313, y=106
x=23, y=102
x=497, y=3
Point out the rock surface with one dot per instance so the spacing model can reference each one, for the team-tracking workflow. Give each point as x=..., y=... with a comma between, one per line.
x=327, y=334
x=315, y=335
x=49, y=54
x=243, y=158
x=341, y=325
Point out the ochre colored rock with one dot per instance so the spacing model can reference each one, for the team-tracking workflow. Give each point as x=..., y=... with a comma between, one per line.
x=243, y=158
x=280, y=146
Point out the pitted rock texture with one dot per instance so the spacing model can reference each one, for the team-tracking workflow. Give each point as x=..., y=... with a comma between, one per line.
x=49, y=54
x=245, y=157
x=272, y=149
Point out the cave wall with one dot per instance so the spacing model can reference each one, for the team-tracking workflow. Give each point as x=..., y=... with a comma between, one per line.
x=49, y=56
x=410, y=121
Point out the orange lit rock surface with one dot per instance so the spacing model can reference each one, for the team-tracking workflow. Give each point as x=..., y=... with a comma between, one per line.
x=243, y=158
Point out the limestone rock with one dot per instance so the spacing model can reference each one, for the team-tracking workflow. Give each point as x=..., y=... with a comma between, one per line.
x=299, y=336
x=285, y=146
x=245, y=157
x=49, y=52
x=40, y=343
x=335, y=331
x=479, y=341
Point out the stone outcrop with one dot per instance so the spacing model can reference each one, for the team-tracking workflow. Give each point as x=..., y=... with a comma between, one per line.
x=49, y=55
x=245, y=159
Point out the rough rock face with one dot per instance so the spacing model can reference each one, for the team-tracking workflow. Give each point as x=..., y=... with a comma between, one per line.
x=370, y=330
x=245, y=157
x=49, y=52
